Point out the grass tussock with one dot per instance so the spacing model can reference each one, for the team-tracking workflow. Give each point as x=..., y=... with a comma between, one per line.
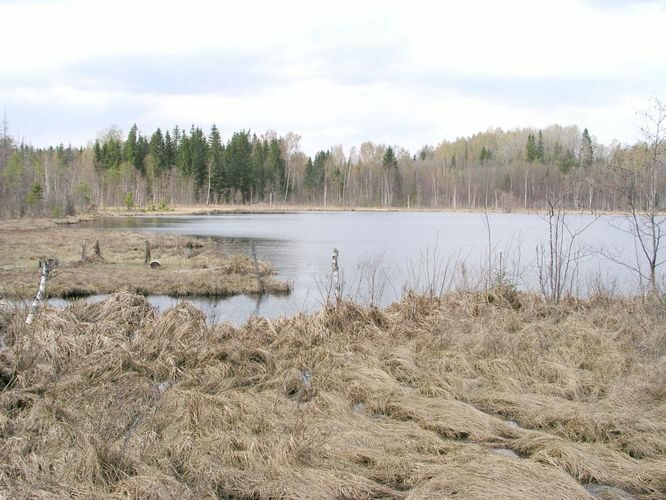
x=422, y=400
x=188, y=266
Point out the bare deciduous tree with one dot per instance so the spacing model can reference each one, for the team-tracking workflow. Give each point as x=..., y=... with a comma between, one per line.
x=639, y=181
x=558, y=258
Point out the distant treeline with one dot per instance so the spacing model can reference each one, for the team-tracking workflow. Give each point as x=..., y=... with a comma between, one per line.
x=498, y=169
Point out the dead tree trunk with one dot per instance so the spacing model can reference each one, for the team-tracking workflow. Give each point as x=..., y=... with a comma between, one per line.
x=46, y=266
x=337, y=289
x=147, y=258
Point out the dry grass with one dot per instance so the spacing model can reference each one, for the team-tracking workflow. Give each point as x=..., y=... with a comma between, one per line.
x=189, y=266
x=281, y=208
x=112, y=400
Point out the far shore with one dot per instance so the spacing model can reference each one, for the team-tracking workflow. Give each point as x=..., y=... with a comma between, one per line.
x=267, y=208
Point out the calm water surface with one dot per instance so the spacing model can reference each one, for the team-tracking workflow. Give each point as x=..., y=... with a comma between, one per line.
x=381, y=252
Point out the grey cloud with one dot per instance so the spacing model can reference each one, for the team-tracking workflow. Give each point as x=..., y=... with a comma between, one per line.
x=359, y=65
x=54, y=122
x=623, y=4
x=197, y=73
x=389, y=64
x=539, y=91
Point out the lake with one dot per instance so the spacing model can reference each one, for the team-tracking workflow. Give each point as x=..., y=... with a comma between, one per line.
x=380, y=253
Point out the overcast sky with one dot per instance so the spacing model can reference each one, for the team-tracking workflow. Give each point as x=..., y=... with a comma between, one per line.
x=404, y=73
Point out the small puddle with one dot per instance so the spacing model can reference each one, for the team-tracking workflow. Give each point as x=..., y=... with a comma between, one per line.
x=505, y=452
x=607, y=491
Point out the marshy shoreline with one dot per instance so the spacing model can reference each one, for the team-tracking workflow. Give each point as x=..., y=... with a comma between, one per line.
x=189, y=266
x=494, y=393
x=431, y=397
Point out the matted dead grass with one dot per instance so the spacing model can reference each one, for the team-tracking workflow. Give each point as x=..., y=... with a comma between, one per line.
x=427, y=399
x=189, y=266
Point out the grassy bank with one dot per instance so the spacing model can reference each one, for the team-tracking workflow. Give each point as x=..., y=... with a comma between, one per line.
x=432, y=398
x=261, y=208
x=189, y=266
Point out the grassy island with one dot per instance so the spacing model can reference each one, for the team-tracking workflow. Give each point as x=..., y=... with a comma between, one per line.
x=187, y=266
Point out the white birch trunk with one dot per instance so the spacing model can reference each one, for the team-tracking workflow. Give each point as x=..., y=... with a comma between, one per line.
x=41, y=291
x=336, y=277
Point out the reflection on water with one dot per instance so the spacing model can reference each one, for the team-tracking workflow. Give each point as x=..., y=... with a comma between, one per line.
x=236, y=309
x=381, y=252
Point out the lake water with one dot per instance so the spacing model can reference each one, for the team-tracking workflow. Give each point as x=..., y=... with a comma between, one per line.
x=382, y=252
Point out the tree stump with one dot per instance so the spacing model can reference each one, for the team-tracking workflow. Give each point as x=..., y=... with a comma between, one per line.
x=147, y=258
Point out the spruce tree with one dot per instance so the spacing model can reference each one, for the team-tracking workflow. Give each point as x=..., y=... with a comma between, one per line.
x=531, y=148
x=259, y=167
x=586, y=153
x=310, y=178
x=140, y=153
x=169, y=151
x=276, y=165
x=129, y=148
x=183, y=156
x=319, y=166
x=540, y=152
x=389, y=161
x=198, y=159
x=216, y=160
x=156, y=150
x=238, y=158
x=97, y=155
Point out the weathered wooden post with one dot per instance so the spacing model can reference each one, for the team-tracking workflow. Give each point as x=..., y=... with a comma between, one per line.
x=147, y=257
x=46, y=265
x=256, y=270
x=98, y=250
x=336, y=276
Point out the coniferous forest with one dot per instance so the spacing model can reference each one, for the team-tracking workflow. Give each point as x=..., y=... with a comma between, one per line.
x=497, y=169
